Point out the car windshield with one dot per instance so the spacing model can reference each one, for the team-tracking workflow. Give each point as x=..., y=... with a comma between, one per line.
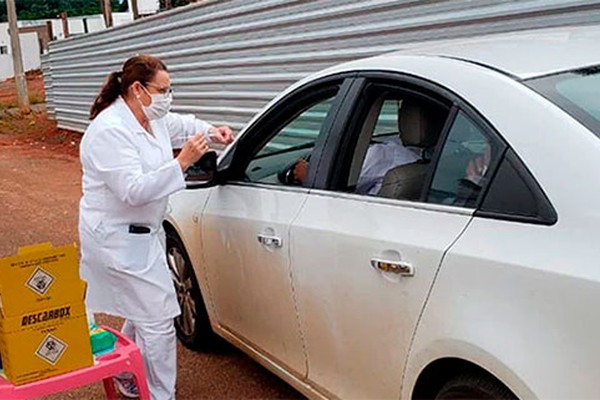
x=577, y=92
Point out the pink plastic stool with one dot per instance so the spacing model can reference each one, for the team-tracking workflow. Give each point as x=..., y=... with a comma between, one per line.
x=125, y=358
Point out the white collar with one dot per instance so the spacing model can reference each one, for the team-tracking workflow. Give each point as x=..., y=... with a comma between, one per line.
x=129, y=119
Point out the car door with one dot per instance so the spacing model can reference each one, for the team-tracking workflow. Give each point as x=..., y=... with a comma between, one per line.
x=363, y=265
x=246, y=223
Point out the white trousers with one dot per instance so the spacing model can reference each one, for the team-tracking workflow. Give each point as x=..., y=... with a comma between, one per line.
x=158, y=343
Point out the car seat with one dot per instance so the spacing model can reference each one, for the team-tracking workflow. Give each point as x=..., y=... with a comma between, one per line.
x=420, y=123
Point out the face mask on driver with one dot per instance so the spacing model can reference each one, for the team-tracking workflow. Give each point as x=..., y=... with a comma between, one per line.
x=160, y=106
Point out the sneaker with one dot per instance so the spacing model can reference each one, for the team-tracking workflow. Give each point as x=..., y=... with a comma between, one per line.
x=127, y=386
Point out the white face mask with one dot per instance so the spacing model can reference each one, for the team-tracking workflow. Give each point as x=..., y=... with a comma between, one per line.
x=160, y=106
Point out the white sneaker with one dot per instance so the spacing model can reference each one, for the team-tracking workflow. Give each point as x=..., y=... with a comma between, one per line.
x=127, y=386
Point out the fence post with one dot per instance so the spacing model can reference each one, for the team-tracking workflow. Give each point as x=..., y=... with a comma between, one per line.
x=22, y=97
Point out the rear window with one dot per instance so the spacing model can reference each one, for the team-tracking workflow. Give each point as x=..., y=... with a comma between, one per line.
x=577, y=92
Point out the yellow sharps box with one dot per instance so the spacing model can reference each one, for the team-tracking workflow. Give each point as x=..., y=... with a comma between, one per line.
x=43, y=324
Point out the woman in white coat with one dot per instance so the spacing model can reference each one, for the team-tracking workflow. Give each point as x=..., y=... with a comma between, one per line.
x=128, y=174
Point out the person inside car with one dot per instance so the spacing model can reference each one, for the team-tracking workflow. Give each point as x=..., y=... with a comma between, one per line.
x=380, y=158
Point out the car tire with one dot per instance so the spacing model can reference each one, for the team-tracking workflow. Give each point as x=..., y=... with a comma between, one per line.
x=193, y=325
x=474, y=386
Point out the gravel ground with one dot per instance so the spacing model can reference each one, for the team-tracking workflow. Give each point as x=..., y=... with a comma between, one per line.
x=39, y=193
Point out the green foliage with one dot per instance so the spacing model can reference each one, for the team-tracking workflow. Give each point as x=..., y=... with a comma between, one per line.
x=36, y=98
x=46, y=9
x=174, y=3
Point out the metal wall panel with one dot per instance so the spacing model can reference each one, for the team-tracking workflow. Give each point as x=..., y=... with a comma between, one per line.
x=48, y=85
x=229, y=58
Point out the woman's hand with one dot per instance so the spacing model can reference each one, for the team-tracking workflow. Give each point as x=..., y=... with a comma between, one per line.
x=192, y=150
x=222, y=134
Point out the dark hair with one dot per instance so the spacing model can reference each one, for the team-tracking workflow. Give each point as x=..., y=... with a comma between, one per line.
x=140, y=68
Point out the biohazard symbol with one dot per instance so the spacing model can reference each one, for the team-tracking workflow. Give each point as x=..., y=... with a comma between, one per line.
x=40, y=281
x=51, y=349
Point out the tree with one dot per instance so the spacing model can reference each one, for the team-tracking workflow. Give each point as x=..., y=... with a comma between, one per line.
x=174, y=3
x=48, y=9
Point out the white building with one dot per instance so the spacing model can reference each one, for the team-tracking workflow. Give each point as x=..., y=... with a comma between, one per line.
x=30, y=49
x=95, y=23
x=146, y=7
x=30, y=44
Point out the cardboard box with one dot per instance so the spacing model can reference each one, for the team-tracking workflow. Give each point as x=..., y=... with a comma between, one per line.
x=45, y=343
x=43, y=323
x=39, y=276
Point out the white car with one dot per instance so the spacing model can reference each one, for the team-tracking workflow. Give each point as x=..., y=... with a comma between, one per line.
x=472, y=272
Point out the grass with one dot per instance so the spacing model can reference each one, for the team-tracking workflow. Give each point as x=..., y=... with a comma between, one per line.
x=35, y=90
x=12, y=103
x=34, y=128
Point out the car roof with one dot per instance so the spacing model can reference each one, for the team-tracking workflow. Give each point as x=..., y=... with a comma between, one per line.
x=522, y=54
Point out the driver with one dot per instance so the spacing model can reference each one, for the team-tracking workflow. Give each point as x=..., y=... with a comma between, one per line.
x=380, y=158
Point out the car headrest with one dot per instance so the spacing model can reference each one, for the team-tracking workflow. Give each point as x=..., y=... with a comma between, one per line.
x=420, y=122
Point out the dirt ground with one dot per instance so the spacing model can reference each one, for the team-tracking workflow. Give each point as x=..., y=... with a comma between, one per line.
x=35, y=89
x=40, y=187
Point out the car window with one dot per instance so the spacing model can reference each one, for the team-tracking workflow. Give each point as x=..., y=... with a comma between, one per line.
x=583, y=91
x=515, y=195
x=393, y=152
x=464, y=164
x=387, y=121
x=285, y=158
x=576, y=92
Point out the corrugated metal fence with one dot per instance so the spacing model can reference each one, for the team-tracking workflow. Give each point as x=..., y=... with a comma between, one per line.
x=229, y=58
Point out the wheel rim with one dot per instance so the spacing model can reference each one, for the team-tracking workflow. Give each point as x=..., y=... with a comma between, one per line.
x=182, y=280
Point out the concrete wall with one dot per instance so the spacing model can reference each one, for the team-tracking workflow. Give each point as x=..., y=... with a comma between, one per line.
x=30, y=49
x=95, y=23
x=42, y=32
x=146, y=7
x=30, y=40
x=30, y=45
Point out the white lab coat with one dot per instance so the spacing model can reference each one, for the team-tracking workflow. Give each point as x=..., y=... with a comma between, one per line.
x=128, y=176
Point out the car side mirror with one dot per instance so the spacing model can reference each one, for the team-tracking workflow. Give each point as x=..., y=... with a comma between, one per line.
x=204, y=171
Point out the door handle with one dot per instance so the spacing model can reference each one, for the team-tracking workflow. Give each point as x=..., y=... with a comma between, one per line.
x=395, y=267
x=270, y=240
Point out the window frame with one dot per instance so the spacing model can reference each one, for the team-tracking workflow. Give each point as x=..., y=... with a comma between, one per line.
x=273, y=120
x=413, y=86
x=424, y=88
x=344, y=154
x=489, y=134
x=342, y=117
x=546, y=215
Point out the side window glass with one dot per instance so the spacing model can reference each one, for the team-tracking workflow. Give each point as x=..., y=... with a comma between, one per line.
x=387, y=121
x=464, y=164
x=285, y=158
x=515, y=195
x=394, y=150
